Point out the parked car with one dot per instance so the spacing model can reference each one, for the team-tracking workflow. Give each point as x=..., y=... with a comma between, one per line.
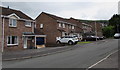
x=79, y=38
x=90, y=38
x=67, y=39
x=101, y=38
x=117, y=35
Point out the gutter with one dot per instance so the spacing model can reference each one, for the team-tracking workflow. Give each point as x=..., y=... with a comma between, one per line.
x=18, y=18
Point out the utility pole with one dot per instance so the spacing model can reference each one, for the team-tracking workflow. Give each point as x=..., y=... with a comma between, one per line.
x=117, y=28
x=95, y=30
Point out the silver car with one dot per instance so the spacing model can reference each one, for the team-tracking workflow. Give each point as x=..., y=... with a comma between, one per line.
x=117, y=35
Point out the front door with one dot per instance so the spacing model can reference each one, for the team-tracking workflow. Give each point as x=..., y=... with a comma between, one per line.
x=25, y=42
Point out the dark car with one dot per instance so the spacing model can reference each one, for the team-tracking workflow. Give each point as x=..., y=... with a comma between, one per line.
x=101, y=38
x=90, y=38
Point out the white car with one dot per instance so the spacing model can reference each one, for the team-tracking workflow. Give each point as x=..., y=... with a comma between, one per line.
x=117, y=35
x=67, y=39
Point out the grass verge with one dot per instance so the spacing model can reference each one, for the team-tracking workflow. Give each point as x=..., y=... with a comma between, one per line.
x=84, y=42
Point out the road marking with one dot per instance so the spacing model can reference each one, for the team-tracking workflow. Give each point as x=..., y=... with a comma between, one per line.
x=102, y=60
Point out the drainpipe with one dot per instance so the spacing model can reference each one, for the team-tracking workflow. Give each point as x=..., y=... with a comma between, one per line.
x=35, y=42
x=3, y=34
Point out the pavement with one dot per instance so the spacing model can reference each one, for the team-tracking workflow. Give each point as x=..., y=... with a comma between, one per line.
x=112, y=59
x=30, y=53
x=83, y=56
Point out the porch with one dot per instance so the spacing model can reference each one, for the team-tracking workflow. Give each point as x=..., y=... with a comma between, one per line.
x=32, y=41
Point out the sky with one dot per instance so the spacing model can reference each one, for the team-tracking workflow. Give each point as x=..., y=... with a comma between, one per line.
x=87, y=10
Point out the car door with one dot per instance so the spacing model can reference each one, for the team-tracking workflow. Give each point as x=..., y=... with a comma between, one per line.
x=62, y=40
x=66, y=39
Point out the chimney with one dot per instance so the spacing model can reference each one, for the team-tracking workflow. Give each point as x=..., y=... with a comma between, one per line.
x=8, y=7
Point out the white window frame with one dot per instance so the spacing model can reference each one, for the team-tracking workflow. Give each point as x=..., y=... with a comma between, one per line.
x=63, y=25
x=70, y=26
x=73, y=27
x=60, y=25
x=63, y=33
x=35, y=25
x=28, y=25
x=11, y=41
x=12, y=24
x=41, y=25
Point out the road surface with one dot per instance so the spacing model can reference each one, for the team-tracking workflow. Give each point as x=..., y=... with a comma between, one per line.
x=82, y=57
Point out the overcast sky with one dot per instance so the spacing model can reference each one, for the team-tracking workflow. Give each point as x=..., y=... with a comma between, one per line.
x=79, y=10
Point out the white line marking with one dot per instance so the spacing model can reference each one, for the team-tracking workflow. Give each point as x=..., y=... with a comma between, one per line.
x=101, y=60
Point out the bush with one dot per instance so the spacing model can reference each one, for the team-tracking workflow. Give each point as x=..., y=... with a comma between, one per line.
x=108, y=31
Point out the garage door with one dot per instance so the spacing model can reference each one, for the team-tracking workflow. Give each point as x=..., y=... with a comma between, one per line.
x=40, y=40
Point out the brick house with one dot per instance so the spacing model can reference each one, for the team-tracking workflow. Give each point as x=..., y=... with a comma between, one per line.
x=90, y=27
x=82, y=28
x=78, y=30
x=54, y=27
x=17, y=30
x=87, y=29
x=97, y=28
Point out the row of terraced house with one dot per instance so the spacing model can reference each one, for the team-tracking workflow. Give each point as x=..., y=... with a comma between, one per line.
x=19, y=31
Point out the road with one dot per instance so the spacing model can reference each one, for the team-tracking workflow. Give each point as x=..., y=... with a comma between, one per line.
x=82, y=57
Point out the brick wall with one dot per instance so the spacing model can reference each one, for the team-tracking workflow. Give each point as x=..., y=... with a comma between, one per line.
x=98, y=28
x=49, y=28
x=78, y=27
x=15, y=31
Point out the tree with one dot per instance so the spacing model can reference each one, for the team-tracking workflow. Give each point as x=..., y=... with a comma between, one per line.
x=108, y=31
x=115, y=21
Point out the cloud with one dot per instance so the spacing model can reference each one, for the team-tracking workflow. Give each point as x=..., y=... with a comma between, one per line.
x=79, y=10
x=119, y=7
x=60, y=1
x=96, y=11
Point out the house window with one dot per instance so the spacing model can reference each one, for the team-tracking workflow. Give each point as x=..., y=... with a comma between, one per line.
x=63, y=25
x=70, y=26
x=41, y=25
x=59, y=24
x=12, y=22
x=63, y=33
x=12, y=40
x=28, y=24
x=73, y=27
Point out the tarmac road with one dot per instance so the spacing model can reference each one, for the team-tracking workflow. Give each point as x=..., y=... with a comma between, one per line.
x=82, y=57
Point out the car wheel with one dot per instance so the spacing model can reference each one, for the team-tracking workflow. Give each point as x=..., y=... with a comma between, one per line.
x=76, y=42
x=58, y=42
x=70, y=42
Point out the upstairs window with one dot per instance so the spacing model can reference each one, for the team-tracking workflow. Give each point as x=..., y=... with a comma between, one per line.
x=12, y=22
x=41, y=25
x=73, y=27
x=12, y=40
x=28, y=24
x=63, y=25
x=60, y=25
x=70, y=26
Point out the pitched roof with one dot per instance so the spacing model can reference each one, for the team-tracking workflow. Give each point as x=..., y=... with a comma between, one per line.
x=56, y=17
x=8, y=11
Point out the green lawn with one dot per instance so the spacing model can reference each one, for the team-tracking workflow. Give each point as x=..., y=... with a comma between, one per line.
x=84, y=42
